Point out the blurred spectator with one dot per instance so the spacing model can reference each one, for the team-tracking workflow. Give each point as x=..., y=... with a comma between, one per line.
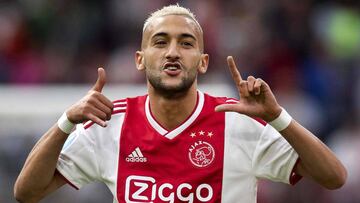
x=308, y=51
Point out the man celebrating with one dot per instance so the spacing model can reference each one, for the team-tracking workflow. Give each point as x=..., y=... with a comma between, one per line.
x=176, y=144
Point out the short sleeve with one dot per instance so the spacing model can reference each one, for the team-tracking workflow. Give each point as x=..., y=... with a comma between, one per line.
x=274, y=158
x=77, y=161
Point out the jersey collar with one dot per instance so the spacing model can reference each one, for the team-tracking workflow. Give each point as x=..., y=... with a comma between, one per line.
x=173, y=133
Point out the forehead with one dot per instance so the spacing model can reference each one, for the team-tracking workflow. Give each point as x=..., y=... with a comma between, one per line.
x=172, y=25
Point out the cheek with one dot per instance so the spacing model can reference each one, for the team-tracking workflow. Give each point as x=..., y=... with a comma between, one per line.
x=152, y=58
x=194, y=60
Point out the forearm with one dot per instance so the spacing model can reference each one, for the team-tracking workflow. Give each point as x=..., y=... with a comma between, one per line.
x=317, y=160
x=38, y=177
x=39, y=168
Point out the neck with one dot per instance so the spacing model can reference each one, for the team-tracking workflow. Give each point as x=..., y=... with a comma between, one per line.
x=170, y=112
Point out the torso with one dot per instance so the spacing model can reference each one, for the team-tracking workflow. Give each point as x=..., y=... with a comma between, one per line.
x=156, y=165
x=211, y=157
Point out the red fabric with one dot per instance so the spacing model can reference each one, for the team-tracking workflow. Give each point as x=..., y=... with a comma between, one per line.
x=294, y=177
x=167, y=163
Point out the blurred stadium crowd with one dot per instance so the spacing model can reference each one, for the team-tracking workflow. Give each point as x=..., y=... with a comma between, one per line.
x=308, y=51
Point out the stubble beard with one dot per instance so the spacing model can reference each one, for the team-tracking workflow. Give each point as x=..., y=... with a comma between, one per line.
x=173, y=91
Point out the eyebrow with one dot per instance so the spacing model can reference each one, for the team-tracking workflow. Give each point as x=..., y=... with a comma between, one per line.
x=182, y=35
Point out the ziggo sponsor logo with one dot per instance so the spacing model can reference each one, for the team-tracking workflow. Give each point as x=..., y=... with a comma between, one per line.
x=137, y=191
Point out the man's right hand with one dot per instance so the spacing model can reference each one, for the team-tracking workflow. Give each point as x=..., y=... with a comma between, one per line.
x=93, y=106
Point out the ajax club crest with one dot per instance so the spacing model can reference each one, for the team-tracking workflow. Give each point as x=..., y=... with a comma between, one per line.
x=201, y=154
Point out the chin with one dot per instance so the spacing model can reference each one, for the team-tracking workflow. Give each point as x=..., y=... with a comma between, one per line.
x=171, y=87
x=173, y=91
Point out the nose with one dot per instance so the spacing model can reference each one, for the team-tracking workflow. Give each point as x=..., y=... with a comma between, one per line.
x=172, y=52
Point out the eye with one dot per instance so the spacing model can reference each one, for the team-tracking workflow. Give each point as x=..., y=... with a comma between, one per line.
x=160, y=43
x=187, y=44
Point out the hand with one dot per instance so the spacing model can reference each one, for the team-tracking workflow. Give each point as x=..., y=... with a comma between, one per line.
x=94, y=106
x=256, y=98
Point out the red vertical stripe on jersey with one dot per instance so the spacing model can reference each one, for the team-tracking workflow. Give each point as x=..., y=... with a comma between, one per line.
x=153, y=168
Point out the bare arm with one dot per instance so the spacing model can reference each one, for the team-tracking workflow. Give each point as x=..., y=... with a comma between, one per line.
x=317, y=161
x=38, y=177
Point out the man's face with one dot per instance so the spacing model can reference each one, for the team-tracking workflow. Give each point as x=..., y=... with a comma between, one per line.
x=171, y=54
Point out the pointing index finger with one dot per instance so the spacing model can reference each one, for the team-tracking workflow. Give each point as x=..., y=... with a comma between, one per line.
x=234, y=71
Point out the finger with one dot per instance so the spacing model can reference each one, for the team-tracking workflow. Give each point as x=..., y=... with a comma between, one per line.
x=234, y=71
x=101, y=80
x=251, y=82
x=257, y=86
x=243, y=89
x=99, y=96
x=97, y=120
x=230, y=107
x=103, y=107
x=106, y=101
x=97, y=112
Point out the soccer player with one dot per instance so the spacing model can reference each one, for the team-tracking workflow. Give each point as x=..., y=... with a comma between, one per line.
x=176, y=144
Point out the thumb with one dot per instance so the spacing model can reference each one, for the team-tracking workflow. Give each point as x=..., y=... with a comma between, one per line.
x=101, y=80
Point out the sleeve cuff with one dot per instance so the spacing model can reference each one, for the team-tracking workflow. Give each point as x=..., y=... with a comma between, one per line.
x=294, y=177
x=66, y=180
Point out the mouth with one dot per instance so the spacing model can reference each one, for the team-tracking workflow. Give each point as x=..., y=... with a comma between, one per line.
x=172, y=69
x=171, y=66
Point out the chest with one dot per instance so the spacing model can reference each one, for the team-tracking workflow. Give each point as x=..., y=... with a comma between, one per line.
x=187, y=167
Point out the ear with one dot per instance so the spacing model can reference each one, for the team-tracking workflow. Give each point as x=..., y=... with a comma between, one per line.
x=139, y=60
x=204, y=62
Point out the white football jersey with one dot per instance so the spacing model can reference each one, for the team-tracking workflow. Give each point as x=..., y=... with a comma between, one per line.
x=210, y=157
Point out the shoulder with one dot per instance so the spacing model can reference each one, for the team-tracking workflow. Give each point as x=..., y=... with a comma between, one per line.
x=120, y=109
x=119, y=106
x=234, y=115
x=218, y=100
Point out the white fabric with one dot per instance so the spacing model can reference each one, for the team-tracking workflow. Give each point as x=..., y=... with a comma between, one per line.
x=251, y=151
x=92, y=154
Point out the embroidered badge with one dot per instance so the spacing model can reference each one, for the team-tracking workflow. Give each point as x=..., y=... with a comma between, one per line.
x=201, y=154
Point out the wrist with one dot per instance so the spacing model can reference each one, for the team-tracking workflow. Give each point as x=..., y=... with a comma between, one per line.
x=282, y=121
x=273, y=114
x=65, y=124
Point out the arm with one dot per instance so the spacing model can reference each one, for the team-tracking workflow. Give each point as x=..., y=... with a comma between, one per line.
x=38, y=177
x=317, y=161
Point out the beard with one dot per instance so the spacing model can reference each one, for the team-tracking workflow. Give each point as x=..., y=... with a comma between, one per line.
x=170, y=91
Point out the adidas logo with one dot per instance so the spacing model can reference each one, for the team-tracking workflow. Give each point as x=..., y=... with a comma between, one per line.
x=136, y=156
